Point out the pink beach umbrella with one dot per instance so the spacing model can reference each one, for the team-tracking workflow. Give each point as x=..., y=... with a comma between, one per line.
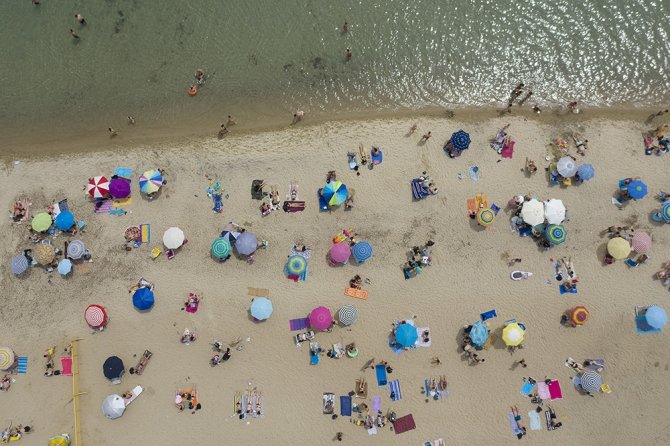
x=340, y=252
x=641, y=242
x=320, y=318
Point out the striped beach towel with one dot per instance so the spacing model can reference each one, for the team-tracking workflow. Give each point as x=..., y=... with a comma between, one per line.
x=145, y=231
x=394, y=390
x=104, y=208
x=22, y=368
x=299, y=324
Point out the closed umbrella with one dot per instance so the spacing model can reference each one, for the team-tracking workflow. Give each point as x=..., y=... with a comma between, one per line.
x=119, y=188
x=41, y=222
x=641, y=242
x=64, y=267
x=656, y=317
x=44, y=253
x=95, y=316
x=348, y=314
x=173, y=238
x=619, y=248
x=554, y=211
x=335, y=193
x=556, y=234
x=591, y=381
x=113, y=368
x=460, y=140
x=246, y=243
x=143, y=299
x=296, y=265
x=532, y=212
x=151, y=181
x=637, y=189
x=113, y=406
x=19, y=264
x=485, y=216
x=586, y=172
x=98, y=187
x=320, y=318
x=75, y=249
x=406, y=335
x=340, y=252
x=261, y=308
x=513, y=334
x=221, y=248
x=579, y=315
x=361, y=251
x=566, y=167
x=64, y=220
x=7, y=358
x=479, y=333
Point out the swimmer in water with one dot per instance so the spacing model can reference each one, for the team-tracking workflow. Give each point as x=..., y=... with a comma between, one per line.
x=200, y=76
x=74, y=34
x=112, y=132
x=230, y=121
x=345, y=27
x=80, y=18
x=131, y=120
x=348, y=54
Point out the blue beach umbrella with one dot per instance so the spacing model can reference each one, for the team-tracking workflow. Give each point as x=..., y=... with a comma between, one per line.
x=64, y=267
x=556, y=234
x=637, y=189
x=460, y=140
x=335, y=193
x=405, y=335
x=65, y=220
x=479, y=333
x=19, y=264
x=113, y=368
x=586, y=172
x=261, y=308
x=361, y=251
x=665, y=211
x=143, y=299
x=656, y=317
x=246, y=243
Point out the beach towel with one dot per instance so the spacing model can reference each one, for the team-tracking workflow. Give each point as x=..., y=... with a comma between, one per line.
x=293, y=206
x=394, y=390
x=473, y=172
x=372, y=430
x=376, y=404
x=488, y=315
x=508, y=150
x=313, y=358
x=404, y=424
x=563, y=290
x=256, y=190
x=117, y=204
x=217, y=199
x=63, y=206
x=535, y=422
x=418, y=190
x=345, y=405
x=22, y=367
x=124, y=172
x=419, y=340
x=135, y=392
x=192, y=308
x=376, y=159
x=495, y=208
x=555, y=390
x=66, y=365
x=512, y=423
x=258, y=292
x=104, y=208
x=356, y=293
x=145, y=233
x=380, y=370
x=547, y=416
x=527, y=388
x=595, y=364
x=543, y=390
x=299, y=324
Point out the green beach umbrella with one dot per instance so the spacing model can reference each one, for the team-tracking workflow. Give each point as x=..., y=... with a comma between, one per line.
x=555, y=234
x=221, y=248
x=296, y=265
x=42, y=222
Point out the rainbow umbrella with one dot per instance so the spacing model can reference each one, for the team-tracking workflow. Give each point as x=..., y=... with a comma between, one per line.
x=513, y=334
x=119, y=188
x=555, y=234
x=406, y=335
x=7, y=358
x=619, y=248
x=637, y=189
x=361, y=251
x=320, y=318
x=151, y=181
x=340, y=252
x=261, y=308
x=42, y=222
x=296, y=265
x=98, y=187
x=65, y=220
x=579, y=315
x=641, y=242
x=221, y=248
x=335, y=193
x=485, y=216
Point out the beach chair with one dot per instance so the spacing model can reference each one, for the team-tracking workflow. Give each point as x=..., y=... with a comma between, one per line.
x=631, y=263
x=361, y=388
x=488, y=315
x=604, y=388
x=566, y=182
x=380, y=370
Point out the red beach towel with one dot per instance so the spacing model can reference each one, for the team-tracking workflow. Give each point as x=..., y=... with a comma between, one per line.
x=66, y=365
x=508, y=150
x=404, y=424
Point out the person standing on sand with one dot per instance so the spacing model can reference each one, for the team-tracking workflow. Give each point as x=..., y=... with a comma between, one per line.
x=536, y=109
x=297, y=116
x=74, y=34
x=348, y=54
x=80, y=18
x=131, y=120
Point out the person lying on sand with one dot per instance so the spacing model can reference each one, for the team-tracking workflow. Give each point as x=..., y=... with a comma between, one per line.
x=580, y=144
x=531, y=168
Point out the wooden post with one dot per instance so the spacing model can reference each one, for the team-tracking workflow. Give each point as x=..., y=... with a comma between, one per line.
x=75, y=390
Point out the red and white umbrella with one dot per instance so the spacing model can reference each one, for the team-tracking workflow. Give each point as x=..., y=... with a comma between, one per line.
x=98, y=187
x=95, y=316
x=641, y=242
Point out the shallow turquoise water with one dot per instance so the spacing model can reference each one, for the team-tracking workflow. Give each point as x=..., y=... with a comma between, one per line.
x=265, y=58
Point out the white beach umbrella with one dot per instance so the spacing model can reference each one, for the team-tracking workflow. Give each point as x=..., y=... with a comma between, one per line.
x=173, y=238
x=554, y=211
x=113, y=406
x=532, y=212
x=567, y=167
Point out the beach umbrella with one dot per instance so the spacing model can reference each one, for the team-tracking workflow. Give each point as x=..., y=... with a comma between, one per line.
x=532, y=212
x=637, y=189
x=406, y=335
x=335, y=193
x=579, y=315
x=656, y=317
x=64, y=220
x=61, y=440
x=485, y=216
x=119, y=188
x=143, y=298
x=513, y=334
x=221, y=248
x=361, y=251
x=113, y=406
x=173, y=238
x=19, y=264
x=261, y=308
x=113, y=368
x=348, y=314
x=64, y=267
x=320, y=318
x=151, y=181
x=98, y=187
x=591, y=381
x=641, y=242
x=555, y=234
x=619, y=248
x=42, y=222
x=230, y=236
x=296, y=265
x=554, y=211
x=566, y=167
x=340, y=252
x=479, y=333
x=586, y=172
x=665, y=211
x=95, y=316
x=246, y=243
x=75, y=249
x=460, y=140
x=133, y=233
x=7, y=358
x=44, y=253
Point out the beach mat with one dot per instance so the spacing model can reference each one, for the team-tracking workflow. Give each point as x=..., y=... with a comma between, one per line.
x=378, y=158
x=66, y=365
x=256, y=191
x=380, y=370
x=404, y=424
x=258, y=292
x=22, y=368
x=345, y=405
x=394, y=390
x=543, y=390
x=145, y=233
x=105, y=207
x=376, y=404
x=642, y=327
x=124, y=172
x=563, y=290
x=117, y=204
x=356, y=293
x=299, y=324
x=535, y=421
x=555, y=392
x=508, y=150
x=527, y=388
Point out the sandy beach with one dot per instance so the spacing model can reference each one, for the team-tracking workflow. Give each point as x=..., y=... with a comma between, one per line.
x=469, y=275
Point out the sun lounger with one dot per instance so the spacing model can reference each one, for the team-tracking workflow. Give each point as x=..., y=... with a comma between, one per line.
x=299, y=324
x=394, y=390
x=527, y=387
x=535, y=422
x=419, y=191
x=380, y=370
x=495, y=208
x=555, y=391
x=356, y=293
x=376, y=404
x=631, y=263
x=404, y=424
x=361, y=388
x=136, y=392
x=345, y=406
x=328, y=403
x=513, y=425
x=66, y=365
x=488, y=315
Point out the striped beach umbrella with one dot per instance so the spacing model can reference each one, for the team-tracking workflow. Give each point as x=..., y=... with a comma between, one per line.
x=579, y=315
x=665, y=211
x=95, y=316
x=41, y=222
x=64, y=220
x=151, y=181
x=340, y=252
x=320, y=318
x=19, y=264
x=566, y=167
x=64, y=267
x=513, y=334
x=406, y=335
x=98, y=187
x=335, y=193
x=246, y=243
x=485, y=216
x=221, y=248
x=44, y=253
x=296, y=265
x=619, y=248
x=7, y=358
x=641, y=242
x=460, y=140
x=119, y=188
x=75, y=249
x=361, y=251
x=637, y=189
x=556, y=234
x=348, y=314
x=261, y=308
x=591, y=381
x=173, y=238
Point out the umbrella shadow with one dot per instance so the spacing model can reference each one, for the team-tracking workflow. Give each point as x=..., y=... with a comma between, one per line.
x=601, y=252
x=149, y=198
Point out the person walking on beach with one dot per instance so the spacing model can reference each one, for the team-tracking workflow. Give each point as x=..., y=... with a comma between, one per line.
x=80, y=18
x=536, y=109
x=74, y=35
x=348, y=54
x=230, y=121
x=426, y=137
x=297, y=116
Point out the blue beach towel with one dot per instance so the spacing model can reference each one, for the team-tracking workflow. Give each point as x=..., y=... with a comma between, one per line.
x=418, y=190
x=495, y=208
x=394, y=390
x=323, y=206
x=380, y=370
x=22, y=368
x=572, y=290
x=642, y=327
x=345, y=406
x=299, y=324
x=488, y=315
x=527, y=388
x=473, y=171
x=124, y=172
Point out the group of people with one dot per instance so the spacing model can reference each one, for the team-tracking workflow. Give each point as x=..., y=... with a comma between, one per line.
x=222, y=355
x=518, y=224
x=14, y=433
x=657, y=142
x=469, y=348
x=419, y=258
x=21, y=210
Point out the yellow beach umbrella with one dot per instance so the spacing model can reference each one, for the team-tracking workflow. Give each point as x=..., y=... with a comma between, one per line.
x=485, y=216
x=61, y=440
x=42, y=222
x=44, y=253
x=619, y=248
x=513, y=334
x=6, y=358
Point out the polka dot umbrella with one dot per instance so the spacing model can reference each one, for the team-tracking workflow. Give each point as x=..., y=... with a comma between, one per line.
x=641, y=242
